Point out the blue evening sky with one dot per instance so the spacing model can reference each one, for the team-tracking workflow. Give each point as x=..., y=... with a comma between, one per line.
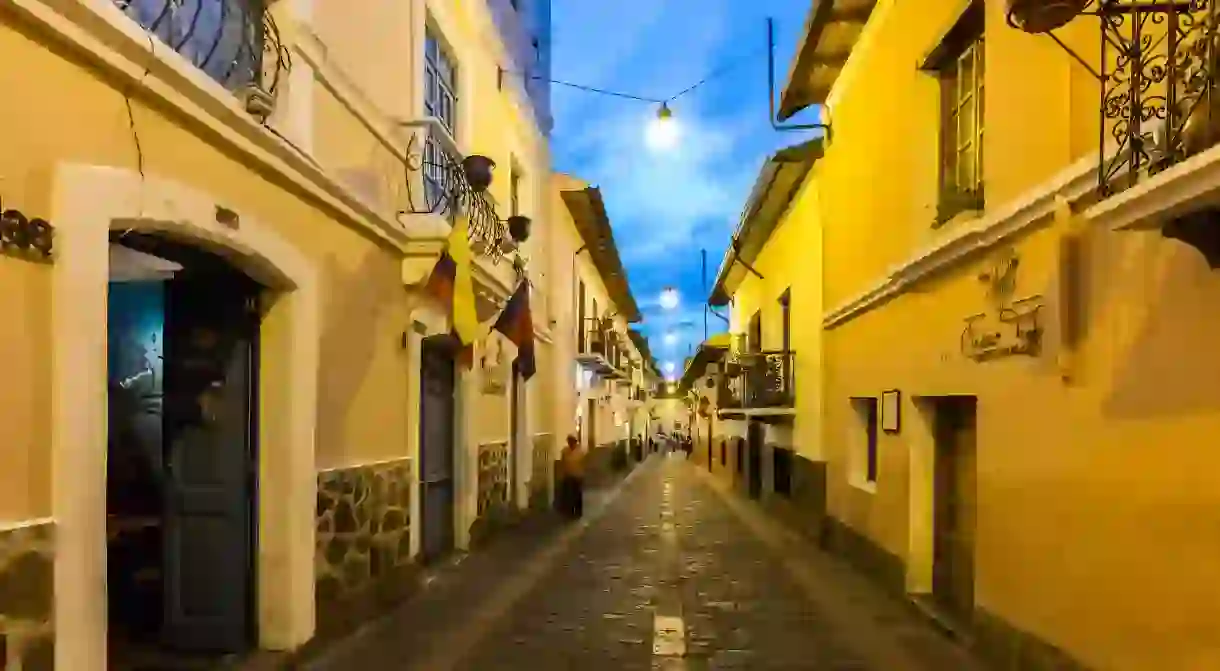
x=664, y=207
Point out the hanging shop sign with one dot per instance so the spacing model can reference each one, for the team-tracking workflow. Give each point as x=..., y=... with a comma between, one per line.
x=23, y=236
x=1012, y=326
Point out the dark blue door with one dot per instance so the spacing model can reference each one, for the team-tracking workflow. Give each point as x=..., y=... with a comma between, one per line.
x=210, y=385
x=436, y=412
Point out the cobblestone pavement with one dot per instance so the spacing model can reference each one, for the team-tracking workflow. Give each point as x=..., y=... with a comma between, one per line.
x=672, y=574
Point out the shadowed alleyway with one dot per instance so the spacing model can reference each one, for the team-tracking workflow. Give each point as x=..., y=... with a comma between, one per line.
x=665, y=573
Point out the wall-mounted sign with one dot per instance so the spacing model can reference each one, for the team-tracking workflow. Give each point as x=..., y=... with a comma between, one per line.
x=494, y=366
x=24, y=236
x=1011, y=326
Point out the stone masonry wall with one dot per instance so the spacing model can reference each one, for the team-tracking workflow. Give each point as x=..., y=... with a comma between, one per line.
x=27, y=593
x=363, y=527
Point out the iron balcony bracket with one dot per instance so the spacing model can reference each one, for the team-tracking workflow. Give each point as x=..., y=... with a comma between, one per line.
x=1156, y=68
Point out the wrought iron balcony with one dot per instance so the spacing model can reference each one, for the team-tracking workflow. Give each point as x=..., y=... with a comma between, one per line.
x=440, y=181
x=1157, y=74
x=235, y=42
x=600, y=348
x=764, y=380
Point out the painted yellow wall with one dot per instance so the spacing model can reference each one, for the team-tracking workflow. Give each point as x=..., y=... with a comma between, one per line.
x=1096, y=505
x=790, y=260
x=25, y=461
x=364, y=311
x=563, y=242
x=377, y=52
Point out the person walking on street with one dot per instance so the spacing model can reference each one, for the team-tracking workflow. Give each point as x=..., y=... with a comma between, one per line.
x=572, y=481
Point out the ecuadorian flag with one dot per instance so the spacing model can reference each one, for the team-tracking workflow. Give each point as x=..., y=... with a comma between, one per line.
x=516, y=322
x=452, y=283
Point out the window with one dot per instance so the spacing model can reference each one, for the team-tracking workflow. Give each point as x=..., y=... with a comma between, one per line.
x=785, y=312
x=959, y=65
x=754, y=334
x=580, y=316
x=440, y=83
x=863, y=469
x=514, y=190
x=440, y=101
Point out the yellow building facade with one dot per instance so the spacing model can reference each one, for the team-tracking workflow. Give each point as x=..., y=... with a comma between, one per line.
x=273, y=178
x=1017, y=382
x=601, y=395
x=765, y=420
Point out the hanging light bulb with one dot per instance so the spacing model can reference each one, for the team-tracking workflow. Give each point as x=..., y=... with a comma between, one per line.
x=669, y=298
x=663, y=132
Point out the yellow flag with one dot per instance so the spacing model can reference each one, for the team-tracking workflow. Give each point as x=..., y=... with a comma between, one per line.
x=465, y=318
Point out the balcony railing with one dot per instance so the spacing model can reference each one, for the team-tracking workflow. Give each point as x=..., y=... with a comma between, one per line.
x=600, y=346
x=759, y=380
x=437, y=183
x=235, y=42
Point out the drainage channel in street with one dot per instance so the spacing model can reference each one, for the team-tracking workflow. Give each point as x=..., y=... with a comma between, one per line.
x=669, y=629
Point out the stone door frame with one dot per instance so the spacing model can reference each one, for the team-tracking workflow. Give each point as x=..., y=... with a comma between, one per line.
x=89, y=202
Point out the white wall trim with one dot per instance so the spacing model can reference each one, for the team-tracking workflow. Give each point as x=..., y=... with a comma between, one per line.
x=13, y=525
x=1186, y=186
x=111, y=41
x=364, y=464
x=89, y=202
x=1023, y=214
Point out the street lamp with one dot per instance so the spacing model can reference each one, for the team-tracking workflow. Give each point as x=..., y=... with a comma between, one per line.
x=663, y=132
x=671, y=338
x=669, y=298
x=670, y=367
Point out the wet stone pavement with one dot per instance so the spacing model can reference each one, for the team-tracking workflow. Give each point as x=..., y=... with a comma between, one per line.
x=668, y=574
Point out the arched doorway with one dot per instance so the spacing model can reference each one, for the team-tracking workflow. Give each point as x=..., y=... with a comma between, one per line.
x=90, y=203
x=182, y=451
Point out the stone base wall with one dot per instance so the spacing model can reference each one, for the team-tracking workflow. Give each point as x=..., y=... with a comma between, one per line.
x=540, y=476
x=803, y=508
x=1007, y=647
x=363, y=542
x=27, y=596
x=883, y=566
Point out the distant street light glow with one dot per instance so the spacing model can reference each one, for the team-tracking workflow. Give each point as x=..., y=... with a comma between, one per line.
x=670, y=367
x=669, y=298
x=671, y=338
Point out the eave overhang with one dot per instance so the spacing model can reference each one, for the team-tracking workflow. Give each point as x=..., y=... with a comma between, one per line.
x=832, y=30
x=588, y=211
x=710, y=351
x=778, y=183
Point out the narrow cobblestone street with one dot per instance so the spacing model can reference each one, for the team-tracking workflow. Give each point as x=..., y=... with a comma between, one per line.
x=669, y=573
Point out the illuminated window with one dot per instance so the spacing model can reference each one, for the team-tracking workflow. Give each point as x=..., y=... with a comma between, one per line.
x=959, y=65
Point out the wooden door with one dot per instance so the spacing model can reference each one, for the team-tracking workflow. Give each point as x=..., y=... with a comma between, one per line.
x=514, y=439
x=437, y=491
x=754, y=441
x=954, y=506
x=210, y=407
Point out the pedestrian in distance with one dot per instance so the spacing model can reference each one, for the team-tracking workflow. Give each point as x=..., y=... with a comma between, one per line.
x=572, y=478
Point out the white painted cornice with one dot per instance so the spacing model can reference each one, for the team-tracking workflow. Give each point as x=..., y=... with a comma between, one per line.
x=1027, y=212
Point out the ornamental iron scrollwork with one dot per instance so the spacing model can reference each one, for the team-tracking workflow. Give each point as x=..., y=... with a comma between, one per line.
x=448, y=192
x=23, y=236
x=235, y=42
x=1157, y=75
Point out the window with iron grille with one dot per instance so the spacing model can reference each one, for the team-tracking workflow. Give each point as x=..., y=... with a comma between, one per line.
x=224, y=38
x=440, y=102
x=960, y=67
